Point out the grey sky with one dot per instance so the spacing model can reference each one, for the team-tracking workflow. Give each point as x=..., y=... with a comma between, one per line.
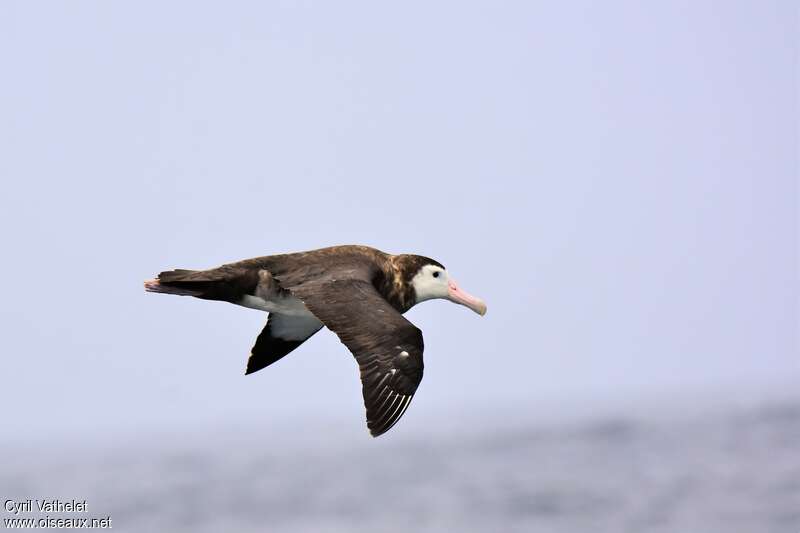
x=617, y=181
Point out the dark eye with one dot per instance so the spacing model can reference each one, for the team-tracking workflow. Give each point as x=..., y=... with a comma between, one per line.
x=436, y=274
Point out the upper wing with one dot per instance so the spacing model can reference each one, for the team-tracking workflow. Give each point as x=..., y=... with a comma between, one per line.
x=281, y=335
x=388, y=347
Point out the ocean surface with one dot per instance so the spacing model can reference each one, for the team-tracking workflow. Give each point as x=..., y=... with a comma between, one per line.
x=730, y=472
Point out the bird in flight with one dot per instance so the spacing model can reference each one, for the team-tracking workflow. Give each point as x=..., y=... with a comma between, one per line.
x=358, y=292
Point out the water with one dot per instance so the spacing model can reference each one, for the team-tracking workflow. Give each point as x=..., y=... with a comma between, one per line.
x=730, y=472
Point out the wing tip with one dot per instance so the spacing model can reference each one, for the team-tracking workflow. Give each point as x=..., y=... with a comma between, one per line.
x=376, y=430
x=375, y=433
x=255, y=363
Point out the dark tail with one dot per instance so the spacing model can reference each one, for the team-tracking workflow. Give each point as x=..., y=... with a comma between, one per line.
x=177, y=282
x=225, y=283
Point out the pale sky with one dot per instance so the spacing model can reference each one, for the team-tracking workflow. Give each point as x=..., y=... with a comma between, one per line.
x=617, y=180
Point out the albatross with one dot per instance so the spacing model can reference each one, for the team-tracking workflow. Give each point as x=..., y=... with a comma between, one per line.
x=359, y=293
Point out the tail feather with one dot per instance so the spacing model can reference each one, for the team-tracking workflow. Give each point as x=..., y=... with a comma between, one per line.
x=227, y=283
x=155, y=285
x=178, y=281
x=179, y=274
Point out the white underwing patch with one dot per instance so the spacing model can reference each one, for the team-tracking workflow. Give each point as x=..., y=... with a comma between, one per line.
x=294, y=328
x=285, y=305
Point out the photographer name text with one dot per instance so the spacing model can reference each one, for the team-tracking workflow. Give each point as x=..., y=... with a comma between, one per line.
x=45, y=506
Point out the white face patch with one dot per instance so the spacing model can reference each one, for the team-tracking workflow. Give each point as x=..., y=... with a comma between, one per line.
x=430, y=282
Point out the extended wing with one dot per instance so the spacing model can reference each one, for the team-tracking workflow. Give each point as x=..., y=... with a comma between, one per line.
x=281, y=335
x=388, y=347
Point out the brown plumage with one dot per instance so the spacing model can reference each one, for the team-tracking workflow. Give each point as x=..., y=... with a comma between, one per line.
x=358, y=292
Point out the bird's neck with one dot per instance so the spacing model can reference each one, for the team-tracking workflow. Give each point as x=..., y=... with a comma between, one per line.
x=394, y=285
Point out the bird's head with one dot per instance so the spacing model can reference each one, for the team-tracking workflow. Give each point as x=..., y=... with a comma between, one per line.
x=432, y=280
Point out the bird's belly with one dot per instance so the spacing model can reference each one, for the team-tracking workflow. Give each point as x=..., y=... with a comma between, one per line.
x=285, y=305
